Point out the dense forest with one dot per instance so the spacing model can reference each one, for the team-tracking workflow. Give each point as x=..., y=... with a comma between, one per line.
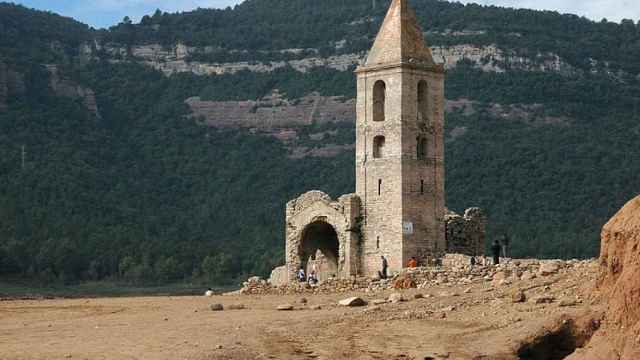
x=143, y=193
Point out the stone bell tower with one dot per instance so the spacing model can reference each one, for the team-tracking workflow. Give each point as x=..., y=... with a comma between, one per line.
x=400, y=145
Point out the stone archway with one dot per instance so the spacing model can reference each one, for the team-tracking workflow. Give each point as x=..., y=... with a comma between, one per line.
x=325, y=232
x=320, y=249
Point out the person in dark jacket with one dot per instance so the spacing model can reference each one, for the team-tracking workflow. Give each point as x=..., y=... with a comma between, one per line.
x=385, y=266
x=495, y=250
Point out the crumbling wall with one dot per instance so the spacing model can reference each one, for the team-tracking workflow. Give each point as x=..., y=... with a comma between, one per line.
x=466, y=234
x=317, y=207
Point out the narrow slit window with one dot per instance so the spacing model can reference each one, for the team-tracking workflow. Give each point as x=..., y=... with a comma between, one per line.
x=378, y=242
x=379, y=187
x=421, y=187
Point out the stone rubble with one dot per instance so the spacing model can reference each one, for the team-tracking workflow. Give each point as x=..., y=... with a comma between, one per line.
x=456, y=270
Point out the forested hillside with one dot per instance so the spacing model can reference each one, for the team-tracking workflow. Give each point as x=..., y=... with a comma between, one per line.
x=105, y=174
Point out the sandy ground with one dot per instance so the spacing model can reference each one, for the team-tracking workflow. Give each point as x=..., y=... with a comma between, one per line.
x=475, y=322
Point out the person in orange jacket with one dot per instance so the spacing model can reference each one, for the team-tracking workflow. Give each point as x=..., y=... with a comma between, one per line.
x=413, y=263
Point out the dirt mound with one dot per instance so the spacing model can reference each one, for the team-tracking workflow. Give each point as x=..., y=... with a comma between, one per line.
x=619, y=287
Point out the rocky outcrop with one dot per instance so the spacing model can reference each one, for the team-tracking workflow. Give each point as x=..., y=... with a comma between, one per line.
x=619, y=287
x=177, y=59
x=273, y=111
x=66, y=87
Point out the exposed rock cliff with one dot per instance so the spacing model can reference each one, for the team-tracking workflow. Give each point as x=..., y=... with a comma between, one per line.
x=273, y=111
x=63, y=86
x=619, y=287
x=176, y=59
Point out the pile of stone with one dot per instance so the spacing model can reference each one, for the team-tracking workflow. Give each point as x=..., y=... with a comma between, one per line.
x=456, y=270
x=255, y=285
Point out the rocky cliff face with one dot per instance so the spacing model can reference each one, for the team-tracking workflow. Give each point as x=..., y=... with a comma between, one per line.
x=273, y=111
x=63, y=86
x=619, y=287
x=176, y=59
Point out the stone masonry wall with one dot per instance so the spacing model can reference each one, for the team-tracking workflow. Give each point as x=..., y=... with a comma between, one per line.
x=466, y=234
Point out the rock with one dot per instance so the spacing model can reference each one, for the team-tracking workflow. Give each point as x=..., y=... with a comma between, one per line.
x=236, y=307
x=544, y=299
x=208, y=293
x=567, y=303
x=378, y=301
x=418, y=296
x=467, y=291
x=396, y=298
x=549, y=268
x=371, y=309
x=527, y=276
x=352, y=301
x=216, y=307
x=285, y=307
x=518, y=296
x=315, y=307
x=303, y=301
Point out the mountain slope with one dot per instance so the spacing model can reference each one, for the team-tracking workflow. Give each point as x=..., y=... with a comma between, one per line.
x=121, y=177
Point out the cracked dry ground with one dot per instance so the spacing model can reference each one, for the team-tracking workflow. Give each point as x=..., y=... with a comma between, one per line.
x=453, y=322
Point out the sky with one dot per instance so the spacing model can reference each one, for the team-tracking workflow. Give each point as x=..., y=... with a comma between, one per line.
x=104, y=13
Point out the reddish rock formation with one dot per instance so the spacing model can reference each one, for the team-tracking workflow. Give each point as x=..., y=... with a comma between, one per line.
x=619, y=287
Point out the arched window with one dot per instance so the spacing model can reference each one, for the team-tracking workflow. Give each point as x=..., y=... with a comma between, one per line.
x=378, y=147
x=423, y=101
x=421, y=148
x=379, y=99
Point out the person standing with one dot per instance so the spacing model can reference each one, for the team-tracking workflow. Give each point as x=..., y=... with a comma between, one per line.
x=302, y=277
x=385, y=266
x=505, y=245
x=495, y=250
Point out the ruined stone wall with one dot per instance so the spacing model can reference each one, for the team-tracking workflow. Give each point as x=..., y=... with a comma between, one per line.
x=466, y=234
x=342, y=215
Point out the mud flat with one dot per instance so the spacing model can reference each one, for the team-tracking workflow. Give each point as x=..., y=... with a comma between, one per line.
x=448, y=321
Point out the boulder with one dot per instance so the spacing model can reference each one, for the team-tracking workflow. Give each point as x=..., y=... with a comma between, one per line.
x=352, y=301
x=236, y=307
x=549, y=268
x=378, y=301
x=396, y=298
x=518, y=296
x=285, y=307
x=216, y=307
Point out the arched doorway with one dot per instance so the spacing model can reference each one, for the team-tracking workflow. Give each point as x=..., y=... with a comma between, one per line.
x=319, y=249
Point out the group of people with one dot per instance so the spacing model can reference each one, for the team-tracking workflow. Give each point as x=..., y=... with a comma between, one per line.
x=312, y=279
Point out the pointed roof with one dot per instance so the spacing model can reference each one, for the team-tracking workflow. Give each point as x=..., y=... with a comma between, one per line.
x=400, y=38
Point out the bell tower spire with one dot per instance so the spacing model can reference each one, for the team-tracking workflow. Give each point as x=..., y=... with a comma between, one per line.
x=400, y=38
x=400, y=145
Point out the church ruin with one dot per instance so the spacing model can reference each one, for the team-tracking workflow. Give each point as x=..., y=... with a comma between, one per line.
x=398, y=209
